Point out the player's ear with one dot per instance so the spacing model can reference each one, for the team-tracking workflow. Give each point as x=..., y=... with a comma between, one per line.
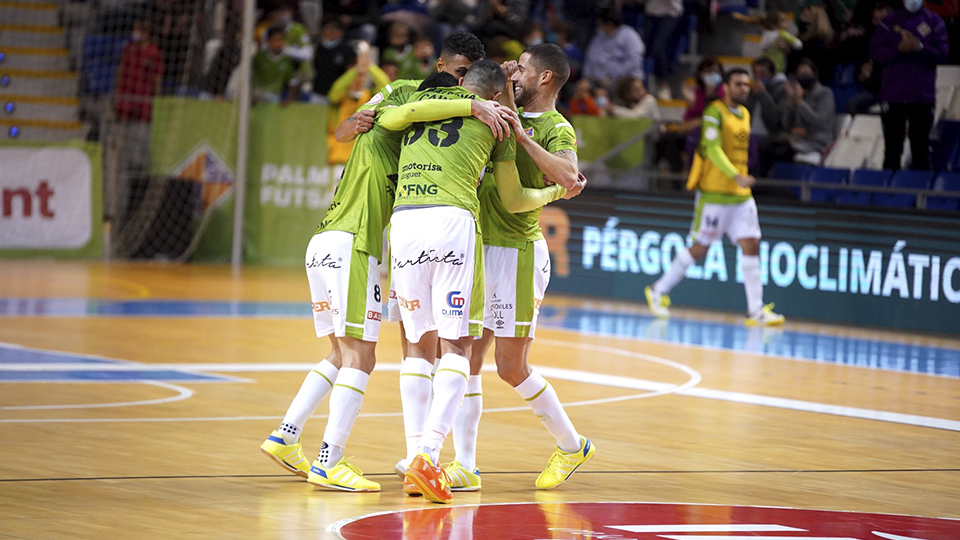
x=496, y=96
x=546, y=76
x=439, y=65
x=460, y=82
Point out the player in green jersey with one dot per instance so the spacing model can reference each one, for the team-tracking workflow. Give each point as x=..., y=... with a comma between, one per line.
x=341, y=265
x=517, y=267
x=436, y=260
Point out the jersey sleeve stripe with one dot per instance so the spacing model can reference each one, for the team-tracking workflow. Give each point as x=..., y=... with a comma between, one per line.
x=562, y=124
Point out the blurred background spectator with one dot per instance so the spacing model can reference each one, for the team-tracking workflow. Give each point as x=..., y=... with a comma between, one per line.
x=615, y=51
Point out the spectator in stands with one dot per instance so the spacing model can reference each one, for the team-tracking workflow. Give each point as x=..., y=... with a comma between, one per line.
x=454, y=16
x=171, y=29
x=399, y=49
x=615, y=51
x=296, y=36
x=838, y=12
x=331, y=57
x=225, y=61
x=908, y=45
x=707, y=88
x=776, y=40
x=274, y=73
x=662, y=17
x=506, y=17
x=354, y=88
x=809, y=119
x=868, y=85
x=768, y=96
x=633, y=101
x=422, y=62
x=564, y=33
x=391, y=70
x=818, y=37
x=138, y=76
x=582, y=101
x=357, y=17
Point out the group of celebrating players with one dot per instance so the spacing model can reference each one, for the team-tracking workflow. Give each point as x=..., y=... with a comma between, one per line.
x=438, y=161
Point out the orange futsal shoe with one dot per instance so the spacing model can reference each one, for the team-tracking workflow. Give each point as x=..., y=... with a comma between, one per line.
x=431, y=480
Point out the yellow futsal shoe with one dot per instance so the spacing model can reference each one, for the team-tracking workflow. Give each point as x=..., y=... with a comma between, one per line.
x=289, y=456
x=462, y=478
x=659, y=304
x=765, y=317
x=342, y=476
x=433, y=481
x=562, y=465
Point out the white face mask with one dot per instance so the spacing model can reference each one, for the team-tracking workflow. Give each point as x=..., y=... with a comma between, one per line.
x=913, y=6
x=712, y=79
x=602, y=101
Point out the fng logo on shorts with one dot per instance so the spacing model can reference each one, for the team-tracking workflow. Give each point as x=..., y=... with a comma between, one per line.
x=456, y=304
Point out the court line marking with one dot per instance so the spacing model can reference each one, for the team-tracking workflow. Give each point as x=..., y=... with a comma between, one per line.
x=182, y=393
x=655, y=388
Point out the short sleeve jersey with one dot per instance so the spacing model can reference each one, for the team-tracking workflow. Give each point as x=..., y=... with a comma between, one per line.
x=501, y=228
x=441, y=162
x=398, y=91
x=364, y=198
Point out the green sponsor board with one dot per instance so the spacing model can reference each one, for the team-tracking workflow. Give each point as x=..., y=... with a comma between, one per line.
x=51, y=199
x=289, y=184
x=618, y=142
x=876, y=268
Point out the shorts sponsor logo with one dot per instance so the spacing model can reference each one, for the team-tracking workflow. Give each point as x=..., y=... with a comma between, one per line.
x=431, y=256
x=393, y=294
x=455, y=303
x=409, y=305
x=536, y=303
x=373, y=315
x=319, y=307
x=326, y=262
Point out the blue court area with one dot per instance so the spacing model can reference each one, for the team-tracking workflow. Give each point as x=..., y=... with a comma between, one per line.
x=787, y=343
x=21, y=364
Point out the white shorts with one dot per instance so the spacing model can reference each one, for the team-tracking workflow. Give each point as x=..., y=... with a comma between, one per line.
x=434, y=259
x=344, y=287
x=515, y=281
x=711, y=221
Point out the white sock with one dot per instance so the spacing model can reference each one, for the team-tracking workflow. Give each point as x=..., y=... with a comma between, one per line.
x=752, y=285
x=542, y=398
x=416, y=389
x=314, y=389
x=675, y=274
x=449, y=386
x=345, y=401
x=467, y=424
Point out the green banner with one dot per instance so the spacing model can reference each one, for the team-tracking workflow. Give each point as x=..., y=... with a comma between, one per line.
x=51, y=199
x=618, y=142
x=289, y=184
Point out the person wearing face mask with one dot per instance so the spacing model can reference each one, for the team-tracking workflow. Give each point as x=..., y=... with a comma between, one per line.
x=296, y=36
x=673, y=137
x=808, y=120
x=331, y=57
x=907, y=46
x=768, y=95
x=615, y=51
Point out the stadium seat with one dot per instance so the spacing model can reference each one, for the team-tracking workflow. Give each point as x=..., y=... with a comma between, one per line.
x=907, y=180
x=863, y=177
x=945, y=144
x=785, y=170
x=826, y=175
x=947, y=182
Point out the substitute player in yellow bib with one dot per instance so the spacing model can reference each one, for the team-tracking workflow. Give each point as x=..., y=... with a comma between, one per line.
x=724, y=202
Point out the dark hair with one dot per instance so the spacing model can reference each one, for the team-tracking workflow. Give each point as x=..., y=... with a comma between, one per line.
x=734, y=71
x=463, y=44
x=438, y=80
x=624, y=86
x=274, y=30
x=810, y=64
x=707, y=62
x=610, y=15
x=486, y=76
x=765, y=62
x=331, y=20
x=548, y=56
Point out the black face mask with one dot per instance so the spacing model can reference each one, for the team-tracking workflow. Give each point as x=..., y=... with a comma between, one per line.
x=807, y=82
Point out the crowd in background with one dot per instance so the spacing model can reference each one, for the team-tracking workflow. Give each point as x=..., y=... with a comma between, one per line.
x=818, y=58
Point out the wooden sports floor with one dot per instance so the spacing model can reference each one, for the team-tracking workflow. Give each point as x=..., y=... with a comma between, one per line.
x=134, y=398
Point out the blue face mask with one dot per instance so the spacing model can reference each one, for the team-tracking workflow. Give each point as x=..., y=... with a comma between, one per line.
x=912, y=6
x=712, y=79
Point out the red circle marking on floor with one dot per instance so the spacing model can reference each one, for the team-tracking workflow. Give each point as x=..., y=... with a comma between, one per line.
x=638, y=521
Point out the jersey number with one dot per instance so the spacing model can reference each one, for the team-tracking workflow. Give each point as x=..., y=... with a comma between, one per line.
x=451, y=128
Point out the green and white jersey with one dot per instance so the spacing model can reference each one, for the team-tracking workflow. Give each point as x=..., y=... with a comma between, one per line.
x=364, y=198
x=501, y=228
x=441, y=162
x=398, y=91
